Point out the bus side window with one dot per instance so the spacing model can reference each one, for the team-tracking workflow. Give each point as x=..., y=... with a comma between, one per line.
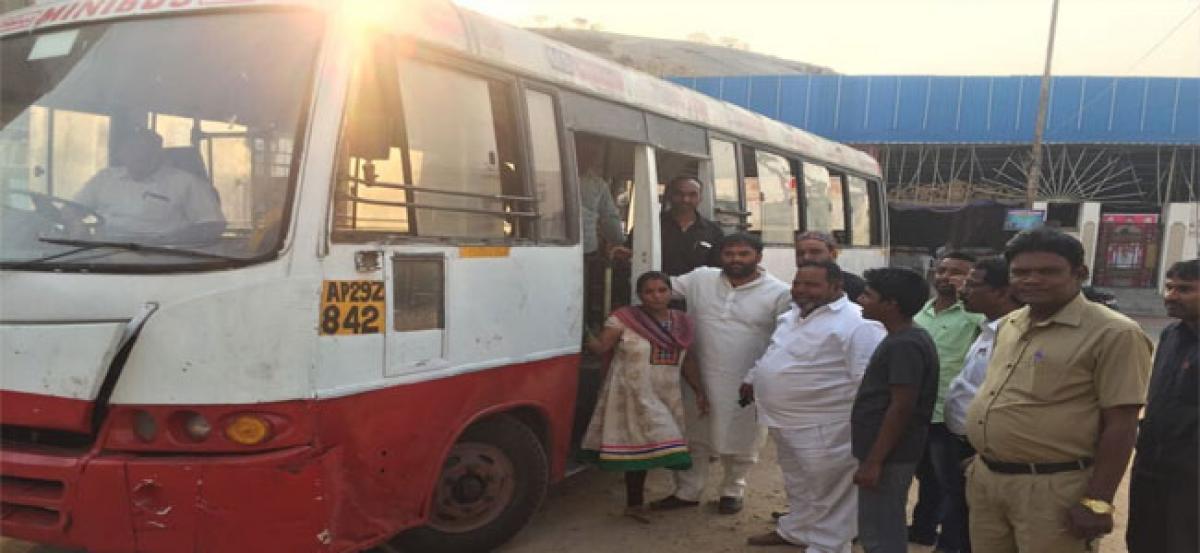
x=862, y=212
x=727, y=204
x=770, y=196
x=818, y=206
x=754, y=197
x=837, y=208
x=454, y=170
x=548, y=181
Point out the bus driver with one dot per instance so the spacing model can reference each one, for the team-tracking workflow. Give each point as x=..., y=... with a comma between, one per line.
x=144, y=199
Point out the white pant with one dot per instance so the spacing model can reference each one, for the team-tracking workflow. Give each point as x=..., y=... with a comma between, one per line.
x=690, y=484
x=818, y=475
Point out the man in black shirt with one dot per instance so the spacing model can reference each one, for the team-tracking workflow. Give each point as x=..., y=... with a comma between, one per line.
x=688, y=240
x=821, y=247
x=1163, y=489
x=890, y=418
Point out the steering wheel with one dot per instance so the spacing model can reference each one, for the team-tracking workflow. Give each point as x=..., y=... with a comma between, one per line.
x=74, y=216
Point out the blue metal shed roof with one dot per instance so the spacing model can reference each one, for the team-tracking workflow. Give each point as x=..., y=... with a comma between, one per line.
x=963, y=110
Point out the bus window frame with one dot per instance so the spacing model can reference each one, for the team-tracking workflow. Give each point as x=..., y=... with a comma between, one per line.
x=570, y=179
x=876, y=209
x=797, y=164
x=743, y=214
x=794, y=162
x=873, y=193
x=470, y=68
x=877, y=190
x=843, y=176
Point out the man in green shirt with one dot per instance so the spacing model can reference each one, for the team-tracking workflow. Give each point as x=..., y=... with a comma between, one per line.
x=953, y=329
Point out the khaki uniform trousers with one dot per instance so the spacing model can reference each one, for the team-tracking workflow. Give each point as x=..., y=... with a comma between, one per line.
x=1024, y=513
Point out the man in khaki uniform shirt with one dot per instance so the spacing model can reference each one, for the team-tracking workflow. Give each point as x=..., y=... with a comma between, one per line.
x=1055, y=420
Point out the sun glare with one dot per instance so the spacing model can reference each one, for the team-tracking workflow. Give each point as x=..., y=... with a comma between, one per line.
x=506, y=10
x=364, y=13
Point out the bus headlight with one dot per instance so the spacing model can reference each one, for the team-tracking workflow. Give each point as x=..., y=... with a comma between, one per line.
x=197, y=427
x=247, y=429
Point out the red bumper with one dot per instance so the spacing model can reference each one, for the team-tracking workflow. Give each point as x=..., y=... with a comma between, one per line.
x=278, y=501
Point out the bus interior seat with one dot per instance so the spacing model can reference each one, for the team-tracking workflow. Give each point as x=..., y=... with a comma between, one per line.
x=188, y=160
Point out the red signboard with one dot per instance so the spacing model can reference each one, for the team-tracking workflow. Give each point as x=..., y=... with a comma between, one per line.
x=1128, y=250
x=1130, y=218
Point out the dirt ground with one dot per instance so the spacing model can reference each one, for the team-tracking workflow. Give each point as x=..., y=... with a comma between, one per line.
x=583, y=514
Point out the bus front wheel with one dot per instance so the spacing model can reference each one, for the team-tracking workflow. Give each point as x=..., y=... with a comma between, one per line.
x=491, y=483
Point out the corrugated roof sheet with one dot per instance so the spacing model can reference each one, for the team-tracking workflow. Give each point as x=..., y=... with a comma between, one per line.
x=881, y=109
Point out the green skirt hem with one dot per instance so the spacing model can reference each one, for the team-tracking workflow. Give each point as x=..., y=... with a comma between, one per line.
x=675, y=461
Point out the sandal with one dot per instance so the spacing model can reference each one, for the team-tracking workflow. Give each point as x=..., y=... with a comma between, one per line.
x=671, y=502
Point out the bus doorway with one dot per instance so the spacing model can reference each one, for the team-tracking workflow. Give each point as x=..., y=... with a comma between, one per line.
x=606, y=175
x=606, y=179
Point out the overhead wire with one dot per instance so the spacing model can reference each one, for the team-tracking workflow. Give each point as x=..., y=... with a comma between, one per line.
x=1099, y=94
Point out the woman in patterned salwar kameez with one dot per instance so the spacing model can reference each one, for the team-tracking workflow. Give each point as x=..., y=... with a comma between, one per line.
x=638, y=421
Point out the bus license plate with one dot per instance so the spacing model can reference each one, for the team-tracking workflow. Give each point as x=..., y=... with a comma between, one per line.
x=350, y=307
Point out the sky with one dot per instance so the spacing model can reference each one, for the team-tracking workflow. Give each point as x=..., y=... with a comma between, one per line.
x=912, y=37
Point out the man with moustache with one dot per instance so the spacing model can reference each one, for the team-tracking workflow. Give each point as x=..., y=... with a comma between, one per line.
x=688, y=239
x=1056, y=417
x=819, y=246
x=734, y=309
x=987, y=292
x=804, y=386
x=1163, y=502
x=953, y=329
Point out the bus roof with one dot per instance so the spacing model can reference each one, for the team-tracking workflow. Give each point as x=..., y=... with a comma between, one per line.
x=442, y=23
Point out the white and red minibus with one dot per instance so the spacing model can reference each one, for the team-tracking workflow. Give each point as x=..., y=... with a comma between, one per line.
x=381, y=341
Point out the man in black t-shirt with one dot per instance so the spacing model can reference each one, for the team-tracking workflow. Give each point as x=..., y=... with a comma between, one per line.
x=688, y=240
x=1163, y=501
x=890, y=418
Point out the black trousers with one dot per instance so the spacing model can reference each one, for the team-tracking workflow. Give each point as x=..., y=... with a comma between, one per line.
x=927, y=513
x=1163, y=501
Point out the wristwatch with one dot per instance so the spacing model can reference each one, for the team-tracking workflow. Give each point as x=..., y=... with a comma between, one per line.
x=1097, y=506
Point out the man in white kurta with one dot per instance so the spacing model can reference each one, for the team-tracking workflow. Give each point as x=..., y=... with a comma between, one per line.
x=804, y=386
x=734, y=309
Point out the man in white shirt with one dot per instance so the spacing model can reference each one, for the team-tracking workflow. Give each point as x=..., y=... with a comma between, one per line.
x=734, y=309
x=985, y=291
x=144, y=199
x=804, y=386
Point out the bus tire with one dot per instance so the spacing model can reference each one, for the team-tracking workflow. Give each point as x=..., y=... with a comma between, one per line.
x=492, y=481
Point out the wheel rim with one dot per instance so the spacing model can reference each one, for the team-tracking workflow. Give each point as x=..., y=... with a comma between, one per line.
x=477, y=482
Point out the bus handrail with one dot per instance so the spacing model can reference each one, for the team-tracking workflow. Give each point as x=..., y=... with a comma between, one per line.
x=493, y=212
x=739, y=213
x=398, y=186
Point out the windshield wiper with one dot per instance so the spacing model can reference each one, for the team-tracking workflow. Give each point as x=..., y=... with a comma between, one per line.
x=52, y=257
x=130, y=246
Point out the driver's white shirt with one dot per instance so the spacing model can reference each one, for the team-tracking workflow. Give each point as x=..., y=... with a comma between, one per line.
x=167, y=201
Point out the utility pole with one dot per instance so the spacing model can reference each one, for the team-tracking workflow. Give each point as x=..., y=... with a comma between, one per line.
x=1035, y=165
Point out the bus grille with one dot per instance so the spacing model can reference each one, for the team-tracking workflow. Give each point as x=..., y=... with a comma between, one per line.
x=31, y=501
x=45, y=437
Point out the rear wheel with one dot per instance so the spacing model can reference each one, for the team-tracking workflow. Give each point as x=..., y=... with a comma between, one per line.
x=491, y=483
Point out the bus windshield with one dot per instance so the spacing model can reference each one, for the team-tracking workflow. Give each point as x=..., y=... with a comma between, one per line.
x=152, y=143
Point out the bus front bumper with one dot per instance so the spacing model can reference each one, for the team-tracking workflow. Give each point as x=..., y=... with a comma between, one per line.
x=115, y=502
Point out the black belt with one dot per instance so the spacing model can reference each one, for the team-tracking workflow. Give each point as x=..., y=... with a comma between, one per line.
x=1035, y=468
